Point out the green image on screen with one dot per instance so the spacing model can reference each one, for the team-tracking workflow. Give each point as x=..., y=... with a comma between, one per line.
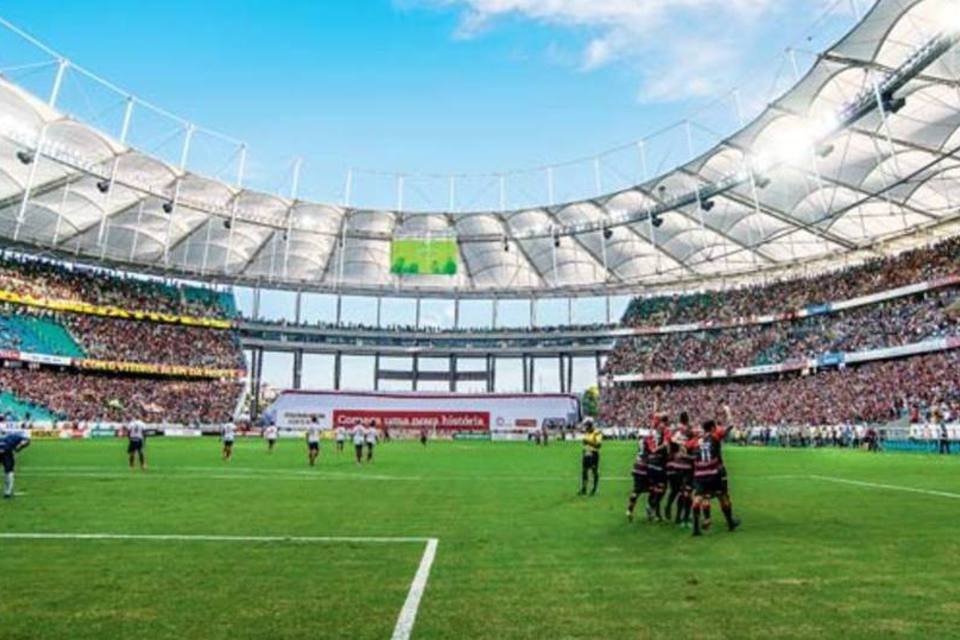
x=424, y=257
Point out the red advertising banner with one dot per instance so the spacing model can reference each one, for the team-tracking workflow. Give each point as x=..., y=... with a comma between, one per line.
x=438, y=420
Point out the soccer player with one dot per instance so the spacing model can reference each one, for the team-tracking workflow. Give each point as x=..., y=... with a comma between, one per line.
x=590, y=461
x=227, y=434
x=270, y=433
x=341, y=437
x=423, y=436
x=313, y=441
x=641, y=482
x=10, y=444
x=657, y=444
x=358, y=434
x=679, y=470
x=136, y=440
x=710, y=475
x=370, y=436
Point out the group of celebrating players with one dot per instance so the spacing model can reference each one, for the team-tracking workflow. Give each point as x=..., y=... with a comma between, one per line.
x=683, y=463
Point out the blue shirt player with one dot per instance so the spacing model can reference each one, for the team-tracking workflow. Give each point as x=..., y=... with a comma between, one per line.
x=10, y=444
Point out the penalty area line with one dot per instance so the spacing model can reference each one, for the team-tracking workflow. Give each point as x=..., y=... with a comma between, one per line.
x=891, y=487
x=408, y=614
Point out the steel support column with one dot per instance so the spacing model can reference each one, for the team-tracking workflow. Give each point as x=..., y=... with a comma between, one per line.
x=562, y=372
x=453, y=374
x=337, y=364
x=416, y=371
x=376, y=372
x=298, y=369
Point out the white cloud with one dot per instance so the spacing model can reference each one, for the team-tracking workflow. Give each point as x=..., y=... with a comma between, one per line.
x=678, y=48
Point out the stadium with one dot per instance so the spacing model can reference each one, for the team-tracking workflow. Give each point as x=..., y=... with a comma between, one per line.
x=491, y=404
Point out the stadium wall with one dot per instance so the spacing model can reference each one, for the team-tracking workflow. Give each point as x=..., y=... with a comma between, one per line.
x=502, y=416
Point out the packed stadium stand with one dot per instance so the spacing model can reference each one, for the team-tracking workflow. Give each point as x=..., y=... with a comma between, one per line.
x=85, y=345
x=872, y=343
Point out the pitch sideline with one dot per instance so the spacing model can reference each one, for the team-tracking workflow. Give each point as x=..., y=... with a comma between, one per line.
x=891, y=487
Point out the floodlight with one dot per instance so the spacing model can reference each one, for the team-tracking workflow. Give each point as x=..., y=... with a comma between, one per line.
x=707, y=205
x=26, y=157
x=103, y=186
x=892, y=105
x=167, y=207
x=607, y=233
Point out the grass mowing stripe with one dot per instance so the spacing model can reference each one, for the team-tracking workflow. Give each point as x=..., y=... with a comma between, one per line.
x=892, y=487
x=408, y=614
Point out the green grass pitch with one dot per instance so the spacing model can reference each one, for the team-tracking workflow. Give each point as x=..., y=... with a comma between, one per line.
x=519, y=555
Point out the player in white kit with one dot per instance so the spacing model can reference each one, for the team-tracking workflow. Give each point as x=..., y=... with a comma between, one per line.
x=227, y=434
x=371, y=438
x=359, y=435
x=313, y=441
x=136, y=439
x=341, y=435
x=270, y=433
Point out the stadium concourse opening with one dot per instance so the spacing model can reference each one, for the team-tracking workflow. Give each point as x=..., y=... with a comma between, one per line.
x=719, y=390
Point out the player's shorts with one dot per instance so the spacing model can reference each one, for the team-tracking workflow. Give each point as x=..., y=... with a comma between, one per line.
x=227, y=444
x=656, y=476
x=641, y=483
x=134, y=445
x=591, y=460
x=8, y=461
x=313, y=446
x=712, y=485
x=674, y=478
x=271, y=440
x=686, y=478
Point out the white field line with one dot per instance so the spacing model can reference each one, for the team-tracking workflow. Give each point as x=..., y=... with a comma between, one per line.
x=408, y=614
x=891, y=487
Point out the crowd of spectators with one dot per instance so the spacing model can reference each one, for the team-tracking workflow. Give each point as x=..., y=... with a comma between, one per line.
x=433, y=329
x=874, y=392
x=46, y=279
x=926, y=263
x=892, y=323
x=107, y=398
x=116, y=339
x=154, y=342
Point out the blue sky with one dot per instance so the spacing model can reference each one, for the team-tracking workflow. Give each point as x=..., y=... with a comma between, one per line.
x=441, y=86
x=432, y=86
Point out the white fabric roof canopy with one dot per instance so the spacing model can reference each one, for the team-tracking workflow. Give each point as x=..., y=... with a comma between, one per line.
x=893, y=180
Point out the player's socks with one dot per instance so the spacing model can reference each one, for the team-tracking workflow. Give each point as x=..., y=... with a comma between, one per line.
x=706, y=516
x=8, y=484
x=732, y=522
x=668, y=510
x=696, y=520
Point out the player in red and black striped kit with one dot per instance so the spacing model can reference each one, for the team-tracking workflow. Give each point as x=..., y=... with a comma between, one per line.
x=680, y=472
x=710, y=474
x=649, y=473
x=657, y=445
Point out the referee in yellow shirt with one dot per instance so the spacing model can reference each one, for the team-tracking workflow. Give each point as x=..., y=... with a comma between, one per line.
x=592, y=440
